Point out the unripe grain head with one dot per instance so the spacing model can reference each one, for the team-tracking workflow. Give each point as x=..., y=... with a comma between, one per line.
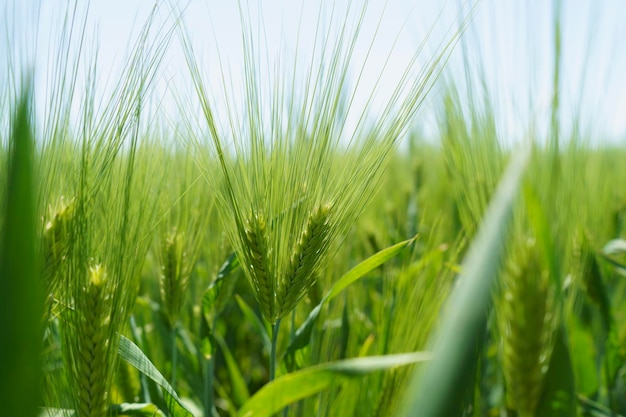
x=93, y=342
x=56, y=242
x=175, y=272
x=257, y=261
x=527, y=323
x=305, y=260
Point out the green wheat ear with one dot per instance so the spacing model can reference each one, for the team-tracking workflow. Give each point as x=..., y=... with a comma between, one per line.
x=94, y=308
x=56, y=242
x=175, y=273
x=256, y=246
x=526, y=326
x=305, y=260
x=294, y=148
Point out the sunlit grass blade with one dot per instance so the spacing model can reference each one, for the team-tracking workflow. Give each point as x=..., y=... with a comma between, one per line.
x=125, y=409
x=303, y=334
x=366, y=266
x=296, y=386
x=134, y=356
x=137, y=409
x=438, y=389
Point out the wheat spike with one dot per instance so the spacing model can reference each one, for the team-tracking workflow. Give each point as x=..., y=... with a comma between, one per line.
x=94, y=308
x=175, y=274
x=305, y=260
x=526, y=330
x=257, y=253
x=56, y=238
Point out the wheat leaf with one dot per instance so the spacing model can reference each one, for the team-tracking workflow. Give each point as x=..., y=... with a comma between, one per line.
x=296, y=386
x=131, y=353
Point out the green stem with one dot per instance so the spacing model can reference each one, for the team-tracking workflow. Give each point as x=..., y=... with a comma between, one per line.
x=292, y=329
x=292, y=335
x=209, y=370
x=174, y=356
x=208, y=386
x=275, y=328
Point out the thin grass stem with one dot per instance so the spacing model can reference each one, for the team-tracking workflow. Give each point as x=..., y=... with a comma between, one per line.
x=174, y=355
x=292, y=335
x=275, y=329
x=209, y=366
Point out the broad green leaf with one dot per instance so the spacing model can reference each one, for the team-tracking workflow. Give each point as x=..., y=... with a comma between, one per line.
x=56, y=412
x=366, y=266
x=296, y=386
x=437, y=390
x=615, y=247
x=303, y=334
x=21, y=298
x=257, y=323
x=138, y=336
x=125, y=409
x=240, y=388
x=134, y=356
x=558, y=398
x=137, y=409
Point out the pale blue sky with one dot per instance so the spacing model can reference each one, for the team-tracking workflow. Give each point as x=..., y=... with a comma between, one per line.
x=510, y=40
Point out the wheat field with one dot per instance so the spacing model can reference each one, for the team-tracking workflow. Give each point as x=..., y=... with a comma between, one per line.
x=286, y=258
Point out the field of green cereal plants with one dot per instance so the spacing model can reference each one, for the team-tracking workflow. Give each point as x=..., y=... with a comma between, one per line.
x=280, y=259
